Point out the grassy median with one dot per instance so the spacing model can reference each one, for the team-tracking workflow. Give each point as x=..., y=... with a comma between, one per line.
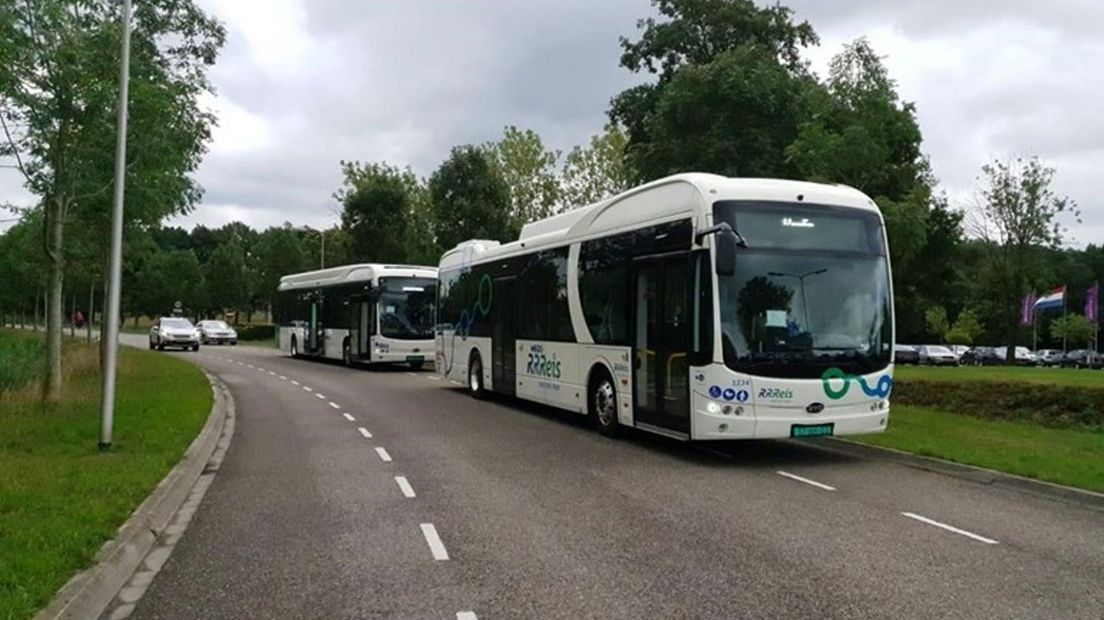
x=60, y=498
x=1013, y=374
x=1069, y=456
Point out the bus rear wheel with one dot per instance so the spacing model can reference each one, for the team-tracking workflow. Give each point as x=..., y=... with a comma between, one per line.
x=475, y=376
x=602, y=403
x=347, y=353
x=293, y=350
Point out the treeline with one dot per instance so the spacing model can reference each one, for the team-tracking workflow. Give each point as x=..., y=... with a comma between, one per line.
x=731, y=92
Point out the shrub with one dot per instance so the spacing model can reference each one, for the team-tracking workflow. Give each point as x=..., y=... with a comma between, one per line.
x=1050, y=405
x=22, y=359
x=255, y=332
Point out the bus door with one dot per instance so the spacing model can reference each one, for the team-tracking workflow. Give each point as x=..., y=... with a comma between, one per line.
x=364, y=321
x=504, y=336
x=661, y=341
x=314, y=325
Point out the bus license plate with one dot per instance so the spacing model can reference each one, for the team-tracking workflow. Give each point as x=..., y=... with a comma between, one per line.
x=811, y=430
x=414, y=359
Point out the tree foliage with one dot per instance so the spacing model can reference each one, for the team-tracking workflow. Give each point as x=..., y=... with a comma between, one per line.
x=529, y=171
x=1073, y=329
x=377, y=202
x=936, y=320
x=597, y=171
x=470, y=199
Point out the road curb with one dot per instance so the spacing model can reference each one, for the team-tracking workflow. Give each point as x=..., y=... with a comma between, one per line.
x=972, y=473
x=89, y=593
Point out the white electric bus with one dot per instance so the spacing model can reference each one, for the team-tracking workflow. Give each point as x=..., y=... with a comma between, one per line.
x=367, y=313
x=697, y=307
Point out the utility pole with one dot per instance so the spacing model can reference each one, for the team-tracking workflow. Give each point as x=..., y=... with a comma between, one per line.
x=110, y=327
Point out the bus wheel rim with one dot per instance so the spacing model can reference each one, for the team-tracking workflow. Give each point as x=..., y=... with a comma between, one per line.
x=603, y=403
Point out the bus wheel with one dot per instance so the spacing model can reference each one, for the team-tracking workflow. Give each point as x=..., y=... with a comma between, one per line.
x=602, y=402
x=475, y=376
x=346, y=353
x=294, y=350
x=417, y=365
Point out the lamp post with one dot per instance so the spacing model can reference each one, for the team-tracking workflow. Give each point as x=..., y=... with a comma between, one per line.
x=801, y=279
x=110, y=327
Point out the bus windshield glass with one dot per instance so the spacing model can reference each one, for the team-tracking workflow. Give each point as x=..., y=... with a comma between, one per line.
x=406, y=308
x=810, y=292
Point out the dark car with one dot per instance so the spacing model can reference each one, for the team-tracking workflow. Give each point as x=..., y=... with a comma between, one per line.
x=981, y=356
x=905, y=354
x=1082, y=358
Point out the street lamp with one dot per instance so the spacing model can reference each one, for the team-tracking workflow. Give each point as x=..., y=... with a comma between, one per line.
x=801, y=279
x=322, y=243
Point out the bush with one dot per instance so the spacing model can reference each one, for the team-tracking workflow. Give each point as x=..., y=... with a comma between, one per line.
x=255, y=332
x=22, y=359
x=1055, y=406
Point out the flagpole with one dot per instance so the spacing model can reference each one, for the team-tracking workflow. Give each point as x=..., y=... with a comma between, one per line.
x=1065, y=348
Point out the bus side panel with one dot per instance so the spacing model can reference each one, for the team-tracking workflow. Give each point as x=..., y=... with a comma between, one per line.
x=549, y=373
x=616, y=361
x=333, y=339
x=453, y=353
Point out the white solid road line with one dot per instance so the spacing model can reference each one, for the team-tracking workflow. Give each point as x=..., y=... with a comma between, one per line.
x=335, y=405
x=363, y=431
x=404, y=486
x=384, y=456
x=807, y=481
x=349, y=417
x=435, y=545
x=950, y=528
x=466, y=615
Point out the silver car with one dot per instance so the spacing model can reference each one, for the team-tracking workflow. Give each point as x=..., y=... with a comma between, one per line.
x=217, y=332
x=173, y=332
x=937, y=355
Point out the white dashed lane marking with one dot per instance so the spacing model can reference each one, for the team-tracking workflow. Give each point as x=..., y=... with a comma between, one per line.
x=307, y=389
x=466, y=615
x=335, y=405
x=404, y=486
x=435, y=545
x=950, y=528
x=364, y=431
x=349, y=417
x=283, y=378
x=272, y=373
x=321, y=396
x=294, y=382
x=814, y=483
x=384, y=456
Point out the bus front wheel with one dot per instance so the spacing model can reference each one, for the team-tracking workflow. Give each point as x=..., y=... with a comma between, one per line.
x=475, y=376
x=602, y=402
x=347, y=353
x=293, y=350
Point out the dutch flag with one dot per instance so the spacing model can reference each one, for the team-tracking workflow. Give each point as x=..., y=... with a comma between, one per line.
x=1053, y=299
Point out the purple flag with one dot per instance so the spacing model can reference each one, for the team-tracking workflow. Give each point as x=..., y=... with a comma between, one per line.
x=1092, y=303
x=1027, y=309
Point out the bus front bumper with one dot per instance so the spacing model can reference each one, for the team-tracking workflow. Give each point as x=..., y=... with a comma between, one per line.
x=772, y=423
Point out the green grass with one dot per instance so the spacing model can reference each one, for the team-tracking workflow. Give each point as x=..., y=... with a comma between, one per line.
x=20, y=360
x=1071, y=457
x=1057, y=376
x=60, y=498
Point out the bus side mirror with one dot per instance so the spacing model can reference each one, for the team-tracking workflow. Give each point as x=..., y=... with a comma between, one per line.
x=725, y=244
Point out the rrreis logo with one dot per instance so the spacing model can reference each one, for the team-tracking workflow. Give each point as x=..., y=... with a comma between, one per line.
x=802, y=223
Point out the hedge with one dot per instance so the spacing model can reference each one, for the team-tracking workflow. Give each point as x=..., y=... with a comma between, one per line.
x=255, y=332
x=1050, y=405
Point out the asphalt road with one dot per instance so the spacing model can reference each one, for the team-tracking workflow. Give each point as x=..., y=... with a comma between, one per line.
x=344, y=491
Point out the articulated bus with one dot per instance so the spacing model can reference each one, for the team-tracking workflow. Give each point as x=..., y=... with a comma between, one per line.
x=366, y=313
x=697, y=307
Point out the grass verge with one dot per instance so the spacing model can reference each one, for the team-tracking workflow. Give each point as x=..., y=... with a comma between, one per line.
x=60, y=498
x=1005, y=374
x=1073, y=457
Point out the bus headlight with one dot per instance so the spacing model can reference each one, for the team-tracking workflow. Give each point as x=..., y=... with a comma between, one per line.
x=713, y=408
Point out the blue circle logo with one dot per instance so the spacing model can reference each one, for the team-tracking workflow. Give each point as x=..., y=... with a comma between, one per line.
x=729, y=394
x=742, y=396
x=715, y=391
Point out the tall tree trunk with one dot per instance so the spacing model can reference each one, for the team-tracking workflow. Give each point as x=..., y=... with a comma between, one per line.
x=55, y=229
x=91, y=308
x=37, y=297
x=73, y=315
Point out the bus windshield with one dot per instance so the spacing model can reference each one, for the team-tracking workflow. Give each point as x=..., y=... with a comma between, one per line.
x=406, y=308
x=810, y=292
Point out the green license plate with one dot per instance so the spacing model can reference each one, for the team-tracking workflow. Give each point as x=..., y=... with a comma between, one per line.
x=811, y=430
x=415, y=358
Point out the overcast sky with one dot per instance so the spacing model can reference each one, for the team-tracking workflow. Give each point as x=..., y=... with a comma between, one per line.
x=303, y=84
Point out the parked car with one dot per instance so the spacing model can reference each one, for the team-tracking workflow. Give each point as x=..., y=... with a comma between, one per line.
x=1082, y=358
x=217, y=332
x=937, y=355
x=1021, y=357
x=981, y=356
x=959, y=350
x=1049, y=357
x=905, y=354
x=173, y=332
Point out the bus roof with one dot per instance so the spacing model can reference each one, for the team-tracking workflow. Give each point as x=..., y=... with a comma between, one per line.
x=361, y=272
x=662, y=199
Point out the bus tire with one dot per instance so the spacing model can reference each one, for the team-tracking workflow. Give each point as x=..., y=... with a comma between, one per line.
x=475, y=376
x=346, y=353
x=602, y=402
x=293, y=350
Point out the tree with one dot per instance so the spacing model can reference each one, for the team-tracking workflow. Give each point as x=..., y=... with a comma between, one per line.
x=377, y=201
x=227, y=287
x=730, y=78
x=529, y=171
x=279, y=253
x=470, y=199
x=1073, y=328
x=936, y=320
x=1015, y=213
x=965, y=329
x=58, y=76
x=166, y=278
x=597, y=171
